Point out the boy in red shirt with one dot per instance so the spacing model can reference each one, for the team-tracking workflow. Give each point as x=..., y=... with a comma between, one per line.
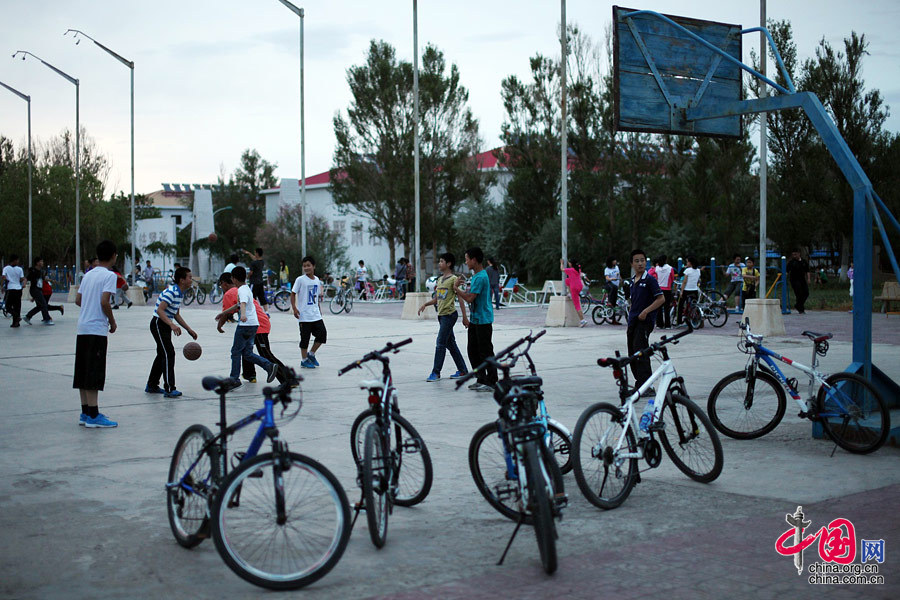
x=229, y=306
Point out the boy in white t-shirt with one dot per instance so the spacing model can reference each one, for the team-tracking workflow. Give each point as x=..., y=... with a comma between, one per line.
x=362, y=278
x=690, y=288
x=244, y=333
x=305, y=298
x=14, y=276
x=95, y=323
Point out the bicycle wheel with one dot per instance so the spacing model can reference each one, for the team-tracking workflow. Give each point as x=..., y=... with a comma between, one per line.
x=561, y=445
x=743, y=409
x=348, y=301
x=201, y=296
x=853, y=413
x=336, y=305
x=540, y=494
x=695, y=316
x=617, y=313
x=283, y=300
x=376, y=484
x=718, y=315
x=188, y=503
x=603, y=476
x=695, y=447
x=598, y=314
x=289, y=555
x=715, y=296
x=188, y=297
x=215, y=294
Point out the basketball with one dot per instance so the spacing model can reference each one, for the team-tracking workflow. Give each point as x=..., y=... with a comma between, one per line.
x=212, y=238
x=192, y=351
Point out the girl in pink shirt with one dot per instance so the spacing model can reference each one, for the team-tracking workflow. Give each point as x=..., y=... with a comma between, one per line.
x=573, y=280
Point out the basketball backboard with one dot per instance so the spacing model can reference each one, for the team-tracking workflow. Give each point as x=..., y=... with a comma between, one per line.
x=659, y=72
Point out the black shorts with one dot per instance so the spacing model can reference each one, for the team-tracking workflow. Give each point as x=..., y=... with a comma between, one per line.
x=90, y=362
x=314, y=328
x=259, y=292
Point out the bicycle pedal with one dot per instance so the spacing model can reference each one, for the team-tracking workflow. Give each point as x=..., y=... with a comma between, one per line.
x=257, y=474
x=509, y=491
x=657, y=426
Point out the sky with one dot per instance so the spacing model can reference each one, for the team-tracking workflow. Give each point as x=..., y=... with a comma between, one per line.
x=213, y=78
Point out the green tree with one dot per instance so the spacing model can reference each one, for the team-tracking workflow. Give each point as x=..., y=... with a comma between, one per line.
x=236, y=228
x=281, y=239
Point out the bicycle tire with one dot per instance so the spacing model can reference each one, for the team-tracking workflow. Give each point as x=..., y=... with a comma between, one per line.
x=237, y=526
x=216, y=294
x=282, y=300
x=598, y=314
x=416, y=473
x=561, y=446
x=539, y=492
x=729, y=406
x=598, y=488
x=695, y=316
x=201, y=296
x=336, y=303
x=699, y=423
x=617, y=314
x=375, y=477
x=188, y=297
x=189, y=513
x=715, y=296
x=867, y=413
x=348, y=301
x=718, y=315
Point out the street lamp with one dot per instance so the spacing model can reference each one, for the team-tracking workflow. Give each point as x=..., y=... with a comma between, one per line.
x=130, y=65
x=73, y=81
x=417, y=254
x=28, y=100
x=299, y=12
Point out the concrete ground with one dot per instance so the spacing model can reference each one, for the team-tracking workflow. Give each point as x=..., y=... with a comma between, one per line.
x=82, y=512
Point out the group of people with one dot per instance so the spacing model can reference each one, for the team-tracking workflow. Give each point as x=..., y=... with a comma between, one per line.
x=40, y=288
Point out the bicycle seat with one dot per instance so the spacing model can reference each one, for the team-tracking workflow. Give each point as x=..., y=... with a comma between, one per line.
x=616, y=362
x=213, y=383
x=368, y=384
x=818, y=337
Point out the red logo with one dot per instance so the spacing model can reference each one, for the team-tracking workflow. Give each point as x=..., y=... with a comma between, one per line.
x=837, y=540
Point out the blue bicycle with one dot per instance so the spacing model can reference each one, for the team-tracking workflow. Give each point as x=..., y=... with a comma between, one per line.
x=750, y=403
x=280, y=520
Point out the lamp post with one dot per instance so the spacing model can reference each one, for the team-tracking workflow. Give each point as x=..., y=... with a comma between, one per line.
x=300, y=13
x=564, y=145
x=73, y=81
x=30, y=159
x=417, y=252
x=130, y=65
x=762, y=155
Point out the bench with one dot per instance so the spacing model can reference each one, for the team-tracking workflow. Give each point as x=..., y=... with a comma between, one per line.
x=890, y=293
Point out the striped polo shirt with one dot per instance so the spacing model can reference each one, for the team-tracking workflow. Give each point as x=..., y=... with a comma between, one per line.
x=172, y=297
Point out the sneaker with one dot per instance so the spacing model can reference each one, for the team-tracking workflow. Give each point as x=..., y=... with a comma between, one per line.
x=474, y=386
x=484, y=388
x=154, y=390
x=250, y=379
x=458, y=374
x=433, y=377
x=82, y=419
x=27, y=320
x=100, y=421
x=273, y=372
x=307, y=364
x=172, y=393
x=48, y=322
x=312, y=359
x=651, y=393
x=129, y=304
x=582, y=323
x=234, y=384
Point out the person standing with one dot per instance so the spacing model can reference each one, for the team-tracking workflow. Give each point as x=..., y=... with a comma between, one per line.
x=148, y=277
x=613, y=278
x=665, y=276
x=401, y=277
x=14, y=277
x=480, y=324
x=362, y=280
x=95, y=323
x=245, y=332
x=307, y=294
x=690, y=287
x=750, y=278
x=257, y=279
x=284, y=274
x=573, y=279
x=646, y=298
x=735, y=272
x=162, y=326
x=798, y=274
x=445, y=299
x=36, y=289
x=493, y=274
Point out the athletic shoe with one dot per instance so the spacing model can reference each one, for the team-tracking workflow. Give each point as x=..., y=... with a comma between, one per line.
x=62, y=310
x=250, y=379
x=27, y=320
x=474, y=386
x=234, y=384
x=307, y=364
x=582, y=323
x=48, y=322
x=273, y=371
x=82, y=419
x=433, y=377
x=129, y=304
x=485, y=388
x=100, y=421
x=313, y=359
x=172, y=394
x=458, y=374
x=154, y=390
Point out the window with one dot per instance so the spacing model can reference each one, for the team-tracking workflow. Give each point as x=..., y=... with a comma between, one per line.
x=374, y=240
x=177, y=219
x=338, y=227
x=356, y=235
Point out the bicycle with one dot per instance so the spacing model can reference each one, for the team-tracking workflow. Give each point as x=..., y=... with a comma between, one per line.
x=750, y=403
x=711, y=307
x=256, y=513
x=216, y=293
x=604, y=311
x=536, y=490
x=280, y=297
x=392, y=468
x=195, y=291
x=608, y=441
x=343, y=299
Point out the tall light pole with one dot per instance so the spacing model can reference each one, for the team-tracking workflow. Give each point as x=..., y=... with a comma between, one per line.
x=416, y=253
x=564, y=143
x=130, y=65
x=300, y=13
x=763, y=124
x=73, y=81
x=28, y=100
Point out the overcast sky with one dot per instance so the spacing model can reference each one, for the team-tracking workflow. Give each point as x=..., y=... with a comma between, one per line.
x=215, y=77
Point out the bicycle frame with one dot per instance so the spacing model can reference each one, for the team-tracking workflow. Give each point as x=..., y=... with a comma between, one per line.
x=665, y=374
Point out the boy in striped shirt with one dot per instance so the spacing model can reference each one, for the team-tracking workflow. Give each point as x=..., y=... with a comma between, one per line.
x=162, y=326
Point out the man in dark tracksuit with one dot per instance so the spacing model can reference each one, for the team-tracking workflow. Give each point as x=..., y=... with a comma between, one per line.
x=798, y=273
x=646, y=298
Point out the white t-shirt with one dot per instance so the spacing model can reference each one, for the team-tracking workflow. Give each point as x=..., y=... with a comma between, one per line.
x=14, y=276
x=229, y=268
x=245, y=295
x=308, y=291
x=735, y=271
x=663, y=275
x=613, y=274
x=362, y=274
x=692, y=278
x=92, y=321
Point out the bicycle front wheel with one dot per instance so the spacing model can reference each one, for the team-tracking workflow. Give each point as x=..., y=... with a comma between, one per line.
x=488, y=464
x=348, y=302
x=561, y=446
x=281, y=555
x=376, y=477
x=743, y=409
x=718, y=315
x=201, y=296
x=603, y=475
x=598, y=314
x=853, y=413
x=215, y=294
x=690, y=439
x=540, y=493
x=188, y=297
x=336, y=306
x=283, y=300
x=192, y=474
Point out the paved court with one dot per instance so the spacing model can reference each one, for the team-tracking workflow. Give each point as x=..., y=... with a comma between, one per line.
x=83, y=511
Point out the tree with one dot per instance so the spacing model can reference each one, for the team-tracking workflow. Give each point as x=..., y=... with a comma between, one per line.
x=236, y=228
x=281, y=239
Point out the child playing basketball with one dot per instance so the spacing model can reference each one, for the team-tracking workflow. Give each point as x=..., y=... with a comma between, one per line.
x=305, y=297
x=244, y=333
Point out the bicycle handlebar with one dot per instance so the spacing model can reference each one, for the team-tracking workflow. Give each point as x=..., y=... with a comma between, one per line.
x=376, y=355
x=621, y=361
x=495, y=360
